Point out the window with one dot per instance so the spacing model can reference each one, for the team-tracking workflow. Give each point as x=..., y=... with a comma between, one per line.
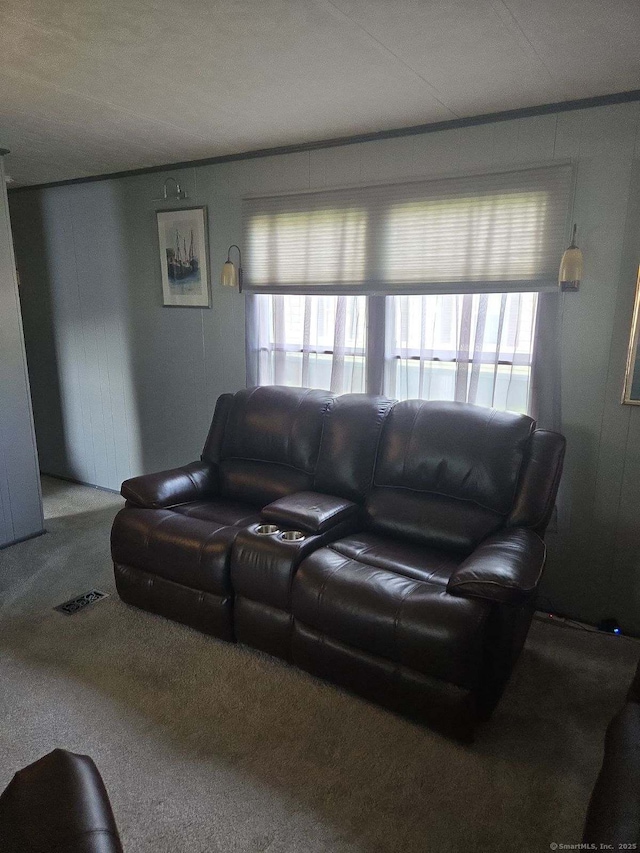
x=475, y=348
x=312, y=341
x=425, y=289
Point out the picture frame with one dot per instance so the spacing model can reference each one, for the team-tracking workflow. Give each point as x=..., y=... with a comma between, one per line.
x=184, y=257
x=631, y=392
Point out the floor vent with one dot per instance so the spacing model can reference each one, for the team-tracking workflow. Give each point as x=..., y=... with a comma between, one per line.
x=74, y=605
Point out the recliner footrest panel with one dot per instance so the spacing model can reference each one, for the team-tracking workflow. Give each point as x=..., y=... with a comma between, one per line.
x=204, y=611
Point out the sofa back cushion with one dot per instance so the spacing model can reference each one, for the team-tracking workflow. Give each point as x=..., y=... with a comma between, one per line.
x=270, y=444
x=539, y=482
x=213, y=444
x=447, y=474
x=350, y=439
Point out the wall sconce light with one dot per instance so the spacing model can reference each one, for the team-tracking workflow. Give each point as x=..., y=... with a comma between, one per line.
x=232, y=277
x=177, y=194
x=571, y=266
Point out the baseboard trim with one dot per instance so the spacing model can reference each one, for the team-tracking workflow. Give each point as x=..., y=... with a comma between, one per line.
x=22, y=539
x=79, y=482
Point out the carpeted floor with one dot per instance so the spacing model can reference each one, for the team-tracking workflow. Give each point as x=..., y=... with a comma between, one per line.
x=207, y=747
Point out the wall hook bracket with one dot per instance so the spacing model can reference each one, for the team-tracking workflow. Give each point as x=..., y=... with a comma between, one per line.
x=177, y=194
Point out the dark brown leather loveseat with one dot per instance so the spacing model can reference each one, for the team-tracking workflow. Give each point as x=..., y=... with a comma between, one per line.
x=413, y=575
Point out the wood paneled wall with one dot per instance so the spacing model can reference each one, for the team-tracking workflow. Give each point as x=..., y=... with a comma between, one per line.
x=20, y=502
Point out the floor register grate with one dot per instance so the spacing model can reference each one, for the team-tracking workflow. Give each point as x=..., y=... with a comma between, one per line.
x=75, y=605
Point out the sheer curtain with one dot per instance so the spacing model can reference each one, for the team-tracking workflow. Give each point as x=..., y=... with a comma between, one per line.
x=470, y=347
x=310, y=341
x=476, y=348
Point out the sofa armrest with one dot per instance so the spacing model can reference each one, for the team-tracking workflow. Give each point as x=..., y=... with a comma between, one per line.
x=311, y=512
x=58, y=803
x=192, y=482
x=505, y=568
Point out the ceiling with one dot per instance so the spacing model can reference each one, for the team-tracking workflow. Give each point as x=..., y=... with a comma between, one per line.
x=95, y=86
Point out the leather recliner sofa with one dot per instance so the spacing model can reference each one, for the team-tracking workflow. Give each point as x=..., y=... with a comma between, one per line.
x=413, y=577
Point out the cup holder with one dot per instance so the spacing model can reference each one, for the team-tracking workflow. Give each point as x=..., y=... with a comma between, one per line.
x=267, y=529
x=292, y=536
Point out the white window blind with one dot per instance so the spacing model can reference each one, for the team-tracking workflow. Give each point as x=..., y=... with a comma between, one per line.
x=307, y=247
x=494, y=232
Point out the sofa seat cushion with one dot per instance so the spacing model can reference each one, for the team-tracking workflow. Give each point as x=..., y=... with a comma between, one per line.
x=221, y=512
x=402, y=613
x=404, y=558
x=192, y=550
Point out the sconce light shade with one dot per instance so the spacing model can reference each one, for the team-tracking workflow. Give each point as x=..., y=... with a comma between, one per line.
x=571, y=266
x=229, y=277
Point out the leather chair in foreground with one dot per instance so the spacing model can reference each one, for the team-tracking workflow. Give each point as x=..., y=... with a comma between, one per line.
x=613, y=817
x=58, y=805
x=413, y=574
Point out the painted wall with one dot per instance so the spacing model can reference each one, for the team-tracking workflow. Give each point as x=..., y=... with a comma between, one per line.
x=20, y=502
x=122, y=385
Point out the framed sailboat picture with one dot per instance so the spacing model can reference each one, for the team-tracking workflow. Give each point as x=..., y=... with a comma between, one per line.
x=182, y=237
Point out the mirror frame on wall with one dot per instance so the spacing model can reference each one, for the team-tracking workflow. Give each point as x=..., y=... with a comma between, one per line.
x=631, y=393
